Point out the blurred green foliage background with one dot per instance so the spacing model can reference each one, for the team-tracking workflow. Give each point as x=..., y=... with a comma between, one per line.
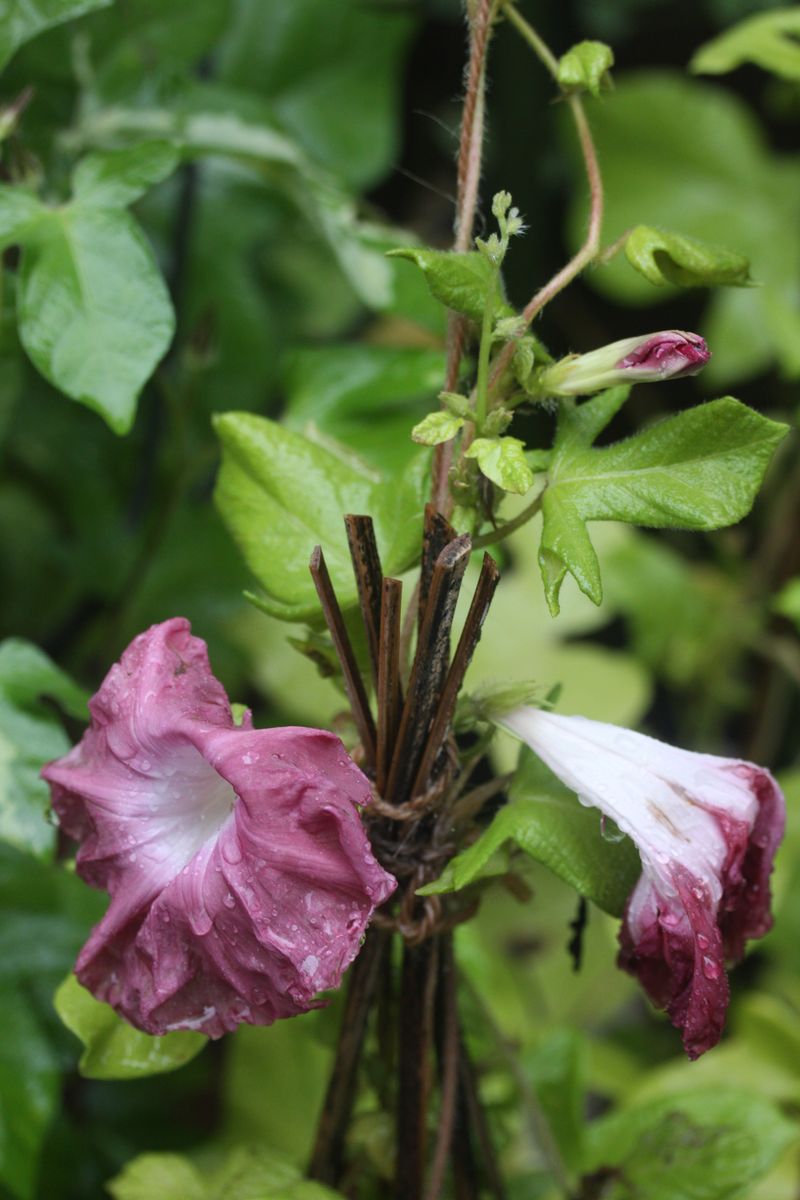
x=286, y=306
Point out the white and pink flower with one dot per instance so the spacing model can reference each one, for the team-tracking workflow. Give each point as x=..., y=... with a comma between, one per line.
x=241, y=878
x=706, y=829
x=648, y=358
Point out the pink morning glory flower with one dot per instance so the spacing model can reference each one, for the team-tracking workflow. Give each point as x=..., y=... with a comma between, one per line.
x=241, y=878
x=649, y=358
x=706, y=829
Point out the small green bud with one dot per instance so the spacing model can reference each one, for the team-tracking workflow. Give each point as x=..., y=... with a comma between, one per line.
x=507, y=328
x=456, y=403
x=497, y=422
x=501, y=204
x=585, y=68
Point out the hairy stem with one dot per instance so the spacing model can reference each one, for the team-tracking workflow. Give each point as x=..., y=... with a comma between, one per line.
x=503, y=531
x=591, y=245
x=469, y=173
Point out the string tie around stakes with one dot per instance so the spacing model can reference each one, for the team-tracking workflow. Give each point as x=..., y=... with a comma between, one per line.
x=409, y=751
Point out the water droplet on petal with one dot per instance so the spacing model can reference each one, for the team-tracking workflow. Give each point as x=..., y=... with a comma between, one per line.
x=711, y=968
x=228, y=900
x=702, y=941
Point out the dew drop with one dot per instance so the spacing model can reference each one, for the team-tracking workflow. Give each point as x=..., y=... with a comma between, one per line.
x=609, y=831
x=228, y=900
x=702, y=941
x=710, y=968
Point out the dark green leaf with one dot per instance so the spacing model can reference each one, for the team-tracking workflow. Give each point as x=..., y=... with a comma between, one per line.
x=664, y=257
x=367, y=397
x=460, y=281
x=112, y=1048
x=700, y=469
x=330, y=73
x=94, y=313
x=547, y=821
x=115, y=178
x=558, y=1069
x=281, y=494
x=769, y=39
x=24, y=19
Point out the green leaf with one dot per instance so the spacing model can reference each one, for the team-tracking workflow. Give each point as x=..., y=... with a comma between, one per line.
x=700, y=469
x=558, y=1068
x=704, y=1144
x=787, y=602
x=19, y=212
x=112, y=1048
x=547, y=821
x=30, y=736
x=367, y=397
x=653, y=171
x=246, y=1174
x=47, y=914
x=502, y=459
x=24, y=19
x=664, y=257
x=94, y=313
x=281, y=494
x=769, y=39
x=459, y=281
x=330, y=73
x=167, y=1176
x=436, y=428
x=115, y=178
x=585, y=67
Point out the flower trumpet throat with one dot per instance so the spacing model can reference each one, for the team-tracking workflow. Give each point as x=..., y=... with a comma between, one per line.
x=241, y=878
x=706, y=829
x=651, y=358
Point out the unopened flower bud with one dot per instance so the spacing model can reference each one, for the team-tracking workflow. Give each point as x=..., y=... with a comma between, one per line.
x=670, y=354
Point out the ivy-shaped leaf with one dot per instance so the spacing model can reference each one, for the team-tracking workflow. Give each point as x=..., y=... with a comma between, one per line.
x=700, y=469
x=769, y=39
x=281, y=494
x=664, y=257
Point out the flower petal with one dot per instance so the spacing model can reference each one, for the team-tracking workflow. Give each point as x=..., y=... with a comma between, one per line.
x=240, y=874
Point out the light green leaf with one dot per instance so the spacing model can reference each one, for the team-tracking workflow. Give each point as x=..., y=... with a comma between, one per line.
x=460, y=281
x=585, y=67
x=436, y=428
x=548, y=822
x=706, y=1144
x=19, y=212
x=558, y=1068
x=113, y=1049
x=502, y=459
x=769, y=39
x=24, y=19
x=281, y=494
x=653, y=171
x=30, y=736
x=367, y=397
x=166, y=1176
x=787, y=602
x=246, y=1174
x=115, y=178
x=664, y=257
x=94, y=313
x=700, y=469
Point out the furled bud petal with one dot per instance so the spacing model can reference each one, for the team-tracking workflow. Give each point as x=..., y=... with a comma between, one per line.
x=240, y=876
x=706, y=829
x=670, y=354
